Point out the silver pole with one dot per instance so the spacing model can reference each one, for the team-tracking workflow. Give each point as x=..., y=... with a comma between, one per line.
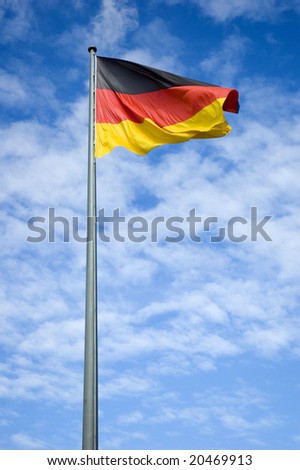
x=90, y=390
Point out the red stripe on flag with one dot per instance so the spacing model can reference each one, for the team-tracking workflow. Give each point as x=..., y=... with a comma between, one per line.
x=164, y=107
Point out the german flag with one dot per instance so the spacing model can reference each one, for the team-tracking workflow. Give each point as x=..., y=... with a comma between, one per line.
x=140, y=107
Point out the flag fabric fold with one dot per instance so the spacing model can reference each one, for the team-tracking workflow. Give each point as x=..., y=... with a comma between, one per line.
x=140, y=107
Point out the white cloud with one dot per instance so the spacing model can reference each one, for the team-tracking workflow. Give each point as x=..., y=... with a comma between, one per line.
x=12, y=91
x=256, y=10
x=156, y=39
x=225, y=63
x=239, y=410
x=108, y=28
x=113, y=22
x=26, y=92
x=26, y=441
x=127, y=384
x=134, y=417
x=15, y=20
x=116, y=440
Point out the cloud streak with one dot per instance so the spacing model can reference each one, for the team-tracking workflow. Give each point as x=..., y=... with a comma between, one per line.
x=192, y=336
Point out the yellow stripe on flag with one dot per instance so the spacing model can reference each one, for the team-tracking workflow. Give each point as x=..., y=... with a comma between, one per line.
x=140, y=138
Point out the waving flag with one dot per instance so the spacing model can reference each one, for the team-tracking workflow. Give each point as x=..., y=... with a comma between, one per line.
x=140, y=107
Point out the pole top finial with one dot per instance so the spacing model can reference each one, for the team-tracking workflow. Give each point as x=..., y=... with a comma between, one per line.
x=92, y=48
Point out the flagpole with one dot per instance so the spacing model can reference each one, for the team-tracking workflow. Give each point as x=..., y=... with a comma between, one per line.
x=90, y=389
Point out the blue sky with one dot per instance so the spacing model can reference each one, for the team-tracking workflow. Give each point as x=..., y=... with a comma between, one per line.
x=198, y=341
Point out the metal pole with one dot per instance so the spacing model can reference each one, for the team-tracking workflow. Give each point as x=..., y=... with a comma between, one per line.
x=90, y=392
